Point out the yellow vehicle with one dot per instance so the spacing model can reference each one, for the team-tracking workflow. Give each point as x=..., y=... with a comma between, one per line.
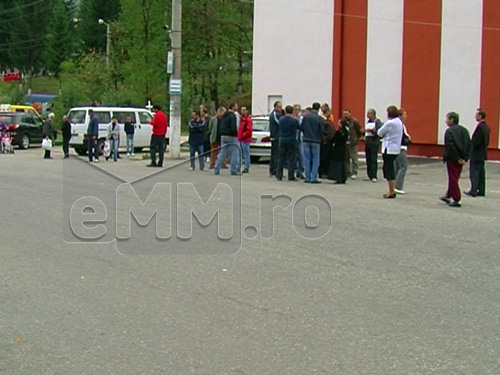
x=25, y=109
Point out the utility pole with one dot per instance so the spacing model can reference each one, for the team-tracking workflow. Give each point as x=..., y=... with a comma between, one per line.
x=108, y=39
x=176, y=81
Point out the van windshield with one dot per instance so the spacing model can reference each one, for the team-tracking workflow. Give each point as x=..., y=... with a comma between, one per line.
x=77, y=117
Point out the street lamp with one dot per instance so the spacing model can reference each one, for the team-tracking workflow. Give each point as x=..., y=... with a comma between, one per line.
x=108, y=38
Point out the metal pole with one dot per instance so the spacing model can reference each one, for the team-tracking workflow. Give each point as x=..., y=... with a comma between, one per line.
x=175, y=97
x=108, y=42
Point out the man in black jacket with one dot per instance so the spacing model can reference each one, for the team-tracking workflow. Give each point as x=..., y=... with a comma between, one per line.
x=480, y=142
x=274, y=129
x=66, y=135
x=457, y=150
x=229, y=141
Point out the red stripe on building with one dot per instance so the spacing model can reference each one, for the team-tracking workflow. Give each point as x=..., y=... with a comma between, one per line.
x=421, y=68
x=349, y=56
x=490, y=71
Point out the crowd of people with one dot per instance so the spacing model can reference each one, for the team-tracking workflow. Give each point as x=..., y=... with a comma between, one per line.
x=308, y=143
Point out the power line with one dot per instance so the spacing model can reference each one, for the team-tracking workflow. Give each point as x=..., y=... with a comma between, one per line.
x=21, y=7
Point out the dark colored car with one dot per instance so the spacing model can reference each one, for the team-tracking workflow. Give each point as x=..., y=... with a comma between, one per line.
x=25, y=128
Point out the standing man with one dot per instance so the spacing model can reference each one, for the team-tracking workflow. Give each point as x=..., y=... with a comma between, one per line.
x=130, y=132
x=352, y=143
x=215, y=136
x=66, y=135
x=372, y=144
x=457, y=150
x=245, y=138
x=114, y=138
x=229, y=141
x=288, y=127
x=297, y=113
x=480, y=142
x=196, y=140
x=92, y=135
x=312, y=128
x=48, y=133
x=157, y=144
x=274, y=129
x=206, y=141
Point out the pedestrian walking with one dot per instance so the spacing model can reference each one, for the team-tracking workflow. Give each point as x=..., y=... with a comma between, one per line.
x=355, y=134
x=274, y=119
x=401, y=163
x=92, y=136
x=48, y=133
x=372, y=144
x=288, y=127
x=312, y=128
x=157, y=144
x=457, y=151
x=66, y=135
x=129, y=128
x=196, y=140
x=479, y=155
x=229, y=141
x=245, y=138
x=113, y=137
x=391, y=133
x=215, y=137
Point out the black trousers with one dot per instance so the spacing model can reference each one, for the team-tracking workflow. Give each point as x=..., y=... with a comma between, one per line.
x=371, y=151
x=325, y=154
x=92, y=149
x=65, y=147
x=157, y=145
x=287, y=150
x=275, y=150
x=477, y=176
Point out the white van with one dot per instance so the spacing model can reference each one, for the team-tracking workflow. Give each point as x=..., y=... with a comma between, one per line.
x=79, y=119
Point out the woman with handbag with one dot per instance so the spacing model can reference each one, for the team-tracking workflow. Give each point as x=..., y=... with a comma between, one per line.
x=114, y=138
x=401, y=163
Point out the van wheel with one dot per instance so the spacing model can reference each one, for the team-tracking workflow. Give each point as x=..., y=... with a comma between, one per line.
x=138, y=149
x=100, y=146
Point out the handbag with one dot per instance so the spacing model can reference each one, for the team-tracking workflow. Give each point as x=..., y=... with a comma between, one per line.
x=47, y=144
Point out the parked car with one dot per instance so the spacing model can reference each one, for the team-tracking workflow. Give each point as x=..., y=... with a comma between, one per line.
x=79, y=119
x=261, y=140
x=25, y=128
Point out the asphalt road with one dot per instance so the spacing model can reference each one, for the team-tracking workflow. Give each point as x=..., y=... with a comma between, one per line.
x=408, y=286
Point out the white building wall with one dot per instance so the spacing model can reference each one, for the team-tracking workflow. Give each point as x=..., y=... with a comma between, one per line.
x=293, y=49
x=384, y=54
x=461, y=41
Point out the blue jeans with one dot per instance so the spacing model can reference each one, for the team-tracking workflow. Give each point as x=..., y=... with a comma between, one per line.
x=113, y=146
x=229, y=149
x=300, y=158
x=311, y=159
x=130, y=144
x=193, y=149
x=245, y=154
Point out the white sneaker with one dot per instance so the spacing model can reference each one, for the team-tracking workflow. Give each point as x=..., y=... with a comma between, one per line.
x=191, y=169
x=374, y=180
x=354, y=177
x=399, y=191
x=132, y=154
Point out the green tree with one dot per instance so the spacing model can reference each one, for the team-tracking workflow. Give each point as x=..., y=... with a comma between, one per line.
x=92, y=34
x=60, y=36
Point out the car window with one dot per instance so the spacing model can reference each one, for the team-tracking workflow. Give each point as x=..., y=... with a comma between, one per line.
x=145, y=117
x=77, y=117
x=8, y=120
x=103, y=117
x=261, y=125
x=37, y=120
x=122, y=116
x=28, y=119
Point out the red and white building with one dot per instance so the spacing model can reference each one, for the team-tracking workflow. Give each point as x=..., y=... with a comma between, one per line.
x=427, y=56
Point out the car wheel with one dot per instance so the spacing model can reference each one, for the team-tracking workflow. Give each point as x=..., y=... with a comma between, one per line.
x=100, y=146
x=25, y=141
x=137, y=149
x=81, y=151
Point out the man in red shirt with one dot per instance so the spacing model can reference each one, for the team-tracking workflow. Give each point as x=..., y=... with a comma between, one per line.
x=245, y=137
x=157, y=144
